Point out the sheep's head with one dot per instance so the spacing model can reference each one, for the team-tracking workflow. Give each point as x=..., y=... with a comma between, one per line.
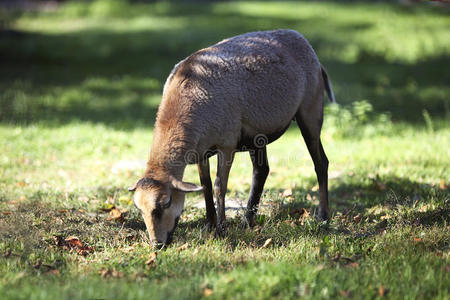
x=161, y=204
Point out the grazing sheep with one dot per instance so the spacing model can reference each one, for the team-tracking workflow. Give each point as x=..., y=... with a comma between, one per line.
x=237, y=95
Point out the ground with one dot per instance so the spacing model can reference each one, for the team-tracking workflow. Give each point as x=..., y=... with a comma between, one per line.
x=79, y=89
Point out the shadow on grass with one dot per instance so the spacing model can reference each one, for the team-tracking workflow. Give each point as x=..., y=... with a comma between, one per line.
x=48, y=78
x=400, y=202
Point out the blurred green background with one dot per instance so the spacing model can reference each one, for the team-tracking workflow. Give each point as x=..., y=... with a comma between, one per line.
x=106, y=60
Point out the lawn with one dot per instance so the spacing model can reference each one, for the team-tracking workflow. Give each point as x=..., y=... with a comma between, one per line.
x=79, y=89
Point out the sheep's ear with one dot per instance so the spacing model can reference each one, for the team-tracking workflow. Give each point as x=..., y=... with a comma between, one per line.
x=185, y=187
x=132, y=188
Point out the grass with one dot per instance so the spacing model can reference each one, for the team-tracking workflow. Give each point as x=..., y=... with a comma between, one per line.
x=79, y=89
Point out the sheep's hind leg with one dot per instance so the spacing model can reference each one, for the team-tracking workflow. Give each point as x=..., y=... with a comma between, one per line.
x=260, y=173
x=309, y=119
x=205, y=179
x=224, y=162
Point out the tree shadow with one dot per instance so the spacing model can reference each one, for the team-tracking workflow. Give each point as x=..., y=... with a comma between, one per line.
x=360, y=209
x=47, y=78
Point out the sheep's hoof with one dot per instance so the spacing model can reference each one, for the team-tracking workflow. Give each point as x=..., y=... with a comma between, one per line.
x=324, y=214
x=220, y=230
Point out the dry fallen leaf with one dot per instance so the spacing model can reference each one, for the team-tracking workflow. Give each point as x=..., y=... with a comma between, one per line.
x=207, y=292
x=6, y=212
x=73, y=241
x=315, y=188
x=345, y=293
x=357, y=218
x=53, y=272
x=113, y=273
x=105, y=273
x=117, y=274
x=303, y=216
x=417, y=239
x=183, y=247
x=382, y=291
x=115, y=215
x=267, y=243
x=152, y=259
x=287, y=193
x=352, y=265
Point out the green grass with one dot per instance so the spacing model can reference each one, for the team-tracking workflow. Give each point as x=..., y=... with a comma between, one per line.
x=79, y=89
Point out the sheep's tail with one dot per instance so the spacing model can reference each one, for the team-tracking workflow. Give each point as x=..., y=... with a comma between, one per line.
x=328, y=87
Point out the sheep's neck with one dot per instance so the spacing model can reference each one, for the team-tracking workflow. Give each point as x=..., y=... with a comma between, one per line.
x=168, y=154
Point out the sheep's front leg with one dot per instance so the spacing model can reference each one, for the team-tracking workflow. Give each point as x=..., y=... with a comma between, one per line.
x=224, y=162
x=205, y=179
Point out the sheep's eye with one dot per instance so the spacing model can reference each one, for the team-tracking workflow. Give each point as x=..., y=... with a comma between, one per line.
x=168, y=204
x=157, y=213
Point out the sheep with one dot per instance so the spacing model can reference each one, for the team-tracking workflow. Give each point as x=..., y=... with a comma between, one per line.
x=237, y=95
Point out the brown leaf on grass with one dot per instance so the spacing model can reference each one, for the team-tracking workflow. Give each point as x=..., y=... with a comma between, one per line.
x=382, y=291
x=357, y=218
x=315, y=188
x=417, y=239
x=105, y=273
x=286, y=193
x=344, y=293
x=303, y=216
x=352, y=265
x=267, y=243
x=207, y=292
x=183, y=247
x=73, y=242
x=85, y=250
x=53, y=272
x=110, y=273
x=115, y=215
x=6, y=212
x=152, y=259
